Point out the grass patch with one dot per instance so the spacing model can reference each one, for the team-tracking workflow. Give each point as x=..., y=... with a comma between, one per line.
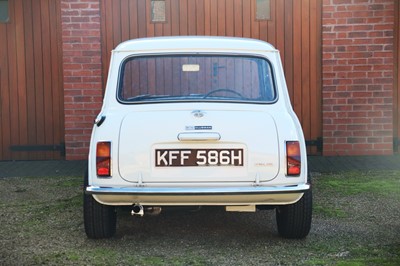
x=329, y=211
x=353, y=254
x=330, y=188
x=72, y=182
x=378, y=183
x=109, y=256
x=42, y=223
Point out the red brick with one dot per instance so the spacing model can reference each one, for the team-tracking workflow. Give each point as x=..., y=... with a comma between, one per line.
x=357, y=61
x=362, y=146
x=82, y=72
x=383, y=146
x=359, y=7
x=362, y=54
x=342, y=14
x=362, y=14
x=374, y=140
x=79, y=6
x=362, y=133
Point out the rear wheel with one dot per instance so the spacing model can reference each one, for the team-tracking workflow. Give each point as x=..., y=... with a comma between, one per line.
x=294, y=220
x=100, y=220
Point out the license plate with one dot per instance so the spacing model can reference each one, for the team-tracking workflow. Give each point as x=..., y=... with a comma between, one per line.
x=198, y=157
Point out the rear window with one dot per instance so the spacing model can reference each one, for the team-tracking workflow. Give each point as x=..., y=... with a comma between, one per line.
x=196, y=78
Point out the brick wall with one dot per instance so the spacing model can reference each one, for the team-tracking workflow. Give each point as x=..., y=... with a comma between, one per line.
x=82, y=72
x=357, y=77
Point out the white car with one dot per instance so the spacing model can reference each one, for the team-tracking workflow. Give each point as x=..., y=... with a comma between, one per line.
x=197, y=121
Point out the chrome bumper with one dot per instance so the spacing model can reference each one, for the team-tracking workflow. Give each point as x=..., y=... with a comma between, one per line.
x=195, y=191
x=162, y=196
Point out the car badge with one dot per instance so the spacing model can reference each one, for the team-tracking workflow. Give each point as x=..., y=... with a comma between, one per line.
x=198, y=113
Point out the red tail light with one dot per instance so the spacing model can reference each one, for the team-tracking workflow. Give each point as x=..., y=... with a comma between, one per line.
x=103, y=159
x=293, y=158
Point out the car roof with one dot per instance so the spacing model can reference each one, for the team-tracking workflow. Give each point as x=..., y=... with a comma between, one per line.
x=194, y=43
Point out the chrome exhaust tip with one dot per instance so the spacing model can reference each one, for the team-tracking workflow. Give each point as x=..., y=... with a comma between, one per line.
x=137, y=210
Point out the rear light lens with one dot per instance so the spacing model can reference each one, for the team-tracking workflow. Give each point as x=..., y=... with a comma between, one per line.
x=103, y=159
x=293, y=158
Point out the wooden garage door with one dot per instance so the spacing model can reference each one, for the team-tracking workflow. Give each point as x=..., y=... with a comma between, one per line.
x=294, y=27
x=31, y=100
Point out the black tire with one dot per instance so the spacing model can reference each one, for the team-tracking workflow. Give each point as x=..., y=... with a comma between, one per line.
x=100, y=220
x=294, y=220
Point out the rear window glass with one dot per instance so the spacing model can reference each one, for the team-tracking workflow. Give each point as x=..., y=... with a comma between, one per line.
x=196, y=78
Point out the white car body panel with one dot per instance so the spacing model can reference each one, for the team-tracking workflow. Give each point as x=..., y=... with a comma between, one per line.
x=164, y=127
x=136, y=131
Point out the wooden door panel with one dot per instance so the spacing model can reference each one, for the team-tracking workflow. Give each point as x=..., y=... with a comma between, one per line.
x=294, y=28
x=31, y=89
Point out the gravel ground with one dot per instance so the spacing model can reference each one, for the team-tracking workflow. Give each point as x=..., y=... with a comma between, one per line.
x=41, y=223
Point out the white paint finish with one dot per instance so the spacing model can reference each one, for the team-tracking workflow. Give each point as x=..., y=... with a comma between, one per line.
x=137, y=130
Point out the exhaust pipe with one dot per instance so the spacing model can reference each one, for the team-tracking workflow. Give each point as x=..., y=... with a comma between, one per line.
x=153, y=211
x=137, y=210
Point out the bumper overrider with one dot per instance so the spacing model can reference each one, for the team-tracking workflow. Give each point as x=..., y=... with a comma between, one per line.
x=251, y=195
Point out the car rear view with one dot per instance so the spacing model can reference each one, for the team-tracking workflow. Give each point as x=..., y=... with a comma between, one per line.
x=197, y=121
